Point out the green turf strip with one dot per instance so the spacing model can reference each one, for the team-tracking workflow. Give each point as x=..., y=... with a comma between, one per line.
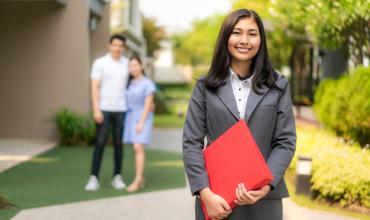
x=59, y=176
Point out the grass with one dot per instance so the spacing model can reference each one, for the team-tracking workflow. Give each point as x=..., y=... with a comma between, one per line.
x=168, y=121
x=59, y=176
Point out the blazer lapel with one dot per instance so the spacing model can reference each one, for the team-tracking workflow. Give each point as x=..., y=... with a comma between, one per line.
x=226, y=95
x=252, y=102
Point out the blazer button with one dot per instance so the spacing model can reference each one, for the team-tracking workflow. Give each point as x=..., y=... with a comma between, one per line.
x=239, y=99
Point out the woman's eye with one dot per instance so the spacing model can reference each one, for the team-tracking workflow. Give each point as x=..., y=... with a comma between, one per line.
x=235, y=32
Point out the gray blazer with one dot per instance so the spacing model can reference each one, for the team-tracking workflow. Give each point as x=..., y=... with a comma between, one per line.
x=269, y=117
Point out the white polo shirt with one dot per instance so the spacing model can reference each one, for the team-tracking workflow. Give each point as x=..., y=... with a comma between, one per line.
x=241, y=90
x=113, y=75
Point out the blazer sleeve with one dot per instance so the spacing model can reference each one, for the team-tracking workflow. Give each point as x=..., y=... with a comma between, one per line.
x=193, y=140
x=284, y=137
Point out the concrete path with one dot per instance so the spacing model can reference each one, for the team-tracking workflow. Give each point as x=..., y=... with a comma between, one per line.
x=150, y=206
x=15, y=151
x=167, y=139
x=170, y=204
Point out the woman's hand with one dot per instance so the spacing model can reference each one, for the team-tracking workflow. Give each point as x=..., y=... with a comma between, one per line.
x=139, y=127
x=245, y=197
x=98, y=117
x=217, y=207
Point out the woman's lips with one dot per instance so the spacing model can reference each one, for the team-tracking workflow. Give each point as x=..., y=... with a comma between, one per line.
x=243, y=50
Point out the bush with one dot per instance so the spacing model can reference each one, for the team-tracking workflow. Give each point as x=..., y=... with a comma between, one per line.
x=75, y=129
x=170, y=97
x=340, y=171
x=344, y=106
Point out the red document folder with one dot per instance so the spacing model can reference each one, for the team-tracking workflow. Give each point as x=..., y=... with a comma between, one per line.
x=234, y=158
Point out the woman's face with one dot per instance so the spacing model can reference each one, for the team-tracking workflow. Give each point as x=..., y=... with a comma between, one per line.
x=135, y=68
x=244, y=40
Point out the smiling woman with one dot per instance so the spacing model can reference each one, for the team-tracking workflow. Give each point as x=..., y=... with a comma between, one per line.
x=240, y=85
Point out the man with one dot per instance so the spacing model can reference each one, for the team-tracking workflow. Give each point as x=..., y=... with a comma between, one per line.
x=109, y=77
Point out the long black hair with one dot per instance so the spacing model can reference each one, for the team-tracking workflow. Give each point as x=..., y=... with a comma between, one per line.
x=221, y=61
x=141, y=64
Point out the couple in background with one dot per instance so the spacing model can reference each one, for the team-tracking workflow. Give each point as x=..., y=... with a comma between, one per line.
x=122, y=99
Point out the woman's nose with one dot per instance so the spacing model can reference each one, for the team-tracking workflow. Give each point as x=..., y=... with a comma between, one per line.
x=244, y=39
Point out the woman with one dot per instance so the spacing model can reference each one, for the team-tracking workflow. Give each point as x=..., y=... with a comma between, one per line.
x=139, y=118
x=241, y=85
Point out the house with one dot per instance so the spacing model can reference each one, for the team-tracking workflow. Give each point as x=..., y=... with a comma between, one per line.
x=47, y=48
x=127, y=20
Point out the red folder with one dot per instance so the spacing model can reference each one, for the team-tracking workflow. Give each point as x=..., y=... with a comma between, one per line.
x=234, y=158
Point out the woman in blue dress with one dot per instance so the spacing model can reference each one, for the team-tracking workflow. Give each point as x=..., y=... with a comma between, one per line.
x=139, y=118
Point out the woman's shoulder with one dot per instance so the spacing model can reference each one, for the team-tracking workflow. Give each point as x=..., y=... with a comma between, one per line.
x=200, y=85
x=281, y=80
x=149, y=84
x=148, y=81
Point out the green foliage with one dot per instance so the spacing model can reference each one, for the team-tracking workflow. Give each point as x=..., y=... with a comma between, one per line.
x=200, y=71
x=153, y=34
x=74, y=128
x=176, y=92
x=328, y=23
x=344, y=105
x=175, y=99
x=196, y=46
x=340, y=171
x=171, y=99
x=260, y=6
x=168, y=121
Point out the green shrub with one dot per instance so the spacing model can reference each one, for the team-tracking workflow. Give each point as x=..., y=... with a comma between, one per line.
x=161, y=106
x=170, y=97
x=74, y=128
x=340, y=171
x=344, y=105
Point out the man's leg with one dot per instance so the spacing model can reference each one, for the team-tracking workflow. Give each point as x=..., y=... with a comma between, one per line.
x=118, y=121
x=102, y=131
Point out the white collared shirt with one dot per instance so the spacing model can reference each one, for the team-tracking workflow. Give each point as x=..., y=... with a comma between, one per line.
x=241, y=90
x=113, y=75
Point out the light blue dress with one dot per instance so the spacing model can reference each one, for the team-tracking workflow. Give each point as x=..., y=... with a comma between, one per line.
x=135, y=99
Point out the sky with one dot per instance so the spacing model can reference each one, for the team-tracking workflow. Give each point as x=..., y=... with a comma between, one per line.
x=177, y=15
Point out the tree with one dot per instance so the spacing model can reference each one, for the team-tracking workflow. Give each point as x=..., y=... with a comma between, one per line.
x=329, y=24
x=153, y=35
x=196, y=45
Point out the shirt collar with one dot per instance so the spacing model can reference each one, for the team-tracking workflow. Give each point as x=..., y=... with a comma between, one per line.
x=112, y=59
x=233, y=76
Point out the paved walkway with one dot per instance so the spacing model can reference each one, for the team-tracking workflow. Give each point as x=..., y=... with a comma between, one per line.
x=151, y=206
x=15, y=151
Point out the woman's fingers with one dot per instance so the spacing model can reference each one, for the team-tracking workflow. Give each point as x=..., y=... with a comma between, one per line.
x=244, y=194
x=226, y=206
x=217, y=207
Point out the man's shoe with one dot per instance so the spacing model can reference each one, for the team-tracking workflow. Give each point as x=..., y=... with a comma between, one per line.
x=92, y=184
x=117, y=182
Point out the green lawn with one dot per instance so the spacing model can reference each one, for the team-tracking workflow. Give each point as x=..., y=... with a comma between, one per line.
x=59, y=176
x=168, y=121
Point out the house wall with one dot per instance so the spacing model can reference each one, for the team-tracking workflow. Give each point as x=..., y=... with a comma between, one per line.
x=44, y=65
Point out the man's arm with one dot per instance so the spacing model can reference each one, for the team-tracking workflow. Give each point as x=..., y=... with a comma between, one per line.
x=95, y=87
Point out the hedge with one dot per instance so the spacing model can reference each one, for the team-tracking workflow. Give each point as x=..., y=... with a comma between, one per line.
x=340, y=170
x=343, y=105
